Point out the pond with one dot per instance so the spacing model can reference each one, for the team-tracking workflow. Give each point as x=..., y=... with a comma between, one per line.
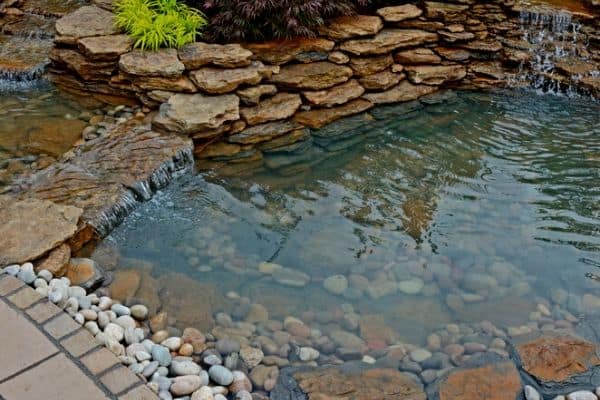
x=485, y=206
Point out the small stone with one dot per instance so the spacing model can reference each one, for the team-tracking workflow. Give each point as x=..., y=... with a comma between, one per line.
x=204, y=393
x=185, y=385
x=172, y=343
x=336, y=284
x=186, y=367
x=150, y=369
x=186, y=350
x=12, y=269
x=220, y=375
x=26, y=273
x=114, y=332
x=531, y=393
x=120, y=309
x=251, y=356
x=581, y=395
x=143, y=356
x=162, y=355
x=160, y=336
x=419, y=355
x=45, y=275
x=227, y=346
x=125, y=321
x=308, y=354
x=139, y=312
x=411, y=286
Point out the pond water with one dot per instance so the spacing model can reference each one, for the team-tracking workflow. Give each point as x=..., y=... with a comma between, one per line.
x=479, y=208
x=37, y=125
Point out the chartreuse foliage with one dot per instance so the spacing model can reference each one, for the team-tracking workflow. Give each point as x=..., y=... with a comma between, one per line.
x=159, y=23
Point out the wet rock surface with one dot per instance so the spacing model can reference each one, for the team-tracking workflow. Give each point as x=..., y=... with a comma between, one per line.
x=30, y=228
x=349, y=381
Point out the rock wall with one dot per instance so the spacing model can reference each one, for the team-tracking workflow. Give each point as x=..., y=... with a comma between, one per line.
x=243, y=102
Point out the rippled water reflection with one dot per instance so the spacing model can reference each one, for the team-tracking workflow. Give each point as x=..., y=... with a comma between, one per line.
x=472, y=209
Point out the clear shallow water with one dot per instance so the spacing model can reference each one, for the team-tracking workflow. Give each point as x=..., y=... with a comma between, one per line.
x=475, y=209
x=38, y=120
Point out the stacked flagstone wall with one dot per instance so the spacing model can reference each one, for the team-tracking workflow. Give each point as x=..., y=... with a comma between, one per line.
x=249, y=102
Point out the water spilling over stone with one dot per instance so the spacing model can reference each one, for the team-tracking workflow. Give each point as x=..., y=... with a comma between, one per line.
x=561, y=60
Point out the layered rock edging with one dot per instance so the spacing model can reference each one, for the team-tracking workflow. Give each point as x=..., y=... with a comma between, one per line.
x=235, y=100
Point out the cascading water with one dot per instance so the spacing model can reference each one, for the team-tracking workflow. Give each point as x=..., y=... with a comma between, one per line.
x=559, y=61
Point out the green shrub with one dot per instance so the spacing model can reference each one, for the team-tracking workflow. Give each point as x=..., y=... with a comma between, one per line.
x=158, y=23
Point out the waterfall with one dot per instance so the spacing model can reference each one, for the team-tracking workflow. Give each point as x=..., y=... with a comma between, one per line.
x=559, y=57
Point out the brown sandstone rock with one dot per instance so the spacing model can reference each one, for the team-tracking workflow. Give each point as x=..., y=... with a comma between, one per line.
x=338, y=57
x=105, y=48
x=400, y=13
x=453, y=37
x=381, y=80
x=190, y=302
x=313, y=76
x=444, y=11
x=85, y=273
x=181, y=84
x=405, y=91
x=30, y=228
x=285, y=140
x=252, y=95
x=484, y=46
x=431, y=26
x=219, y=80
x=84, y=22
x=280, y=106
x=417, y=56
x=453, y=54
x=496, y=381
x=192, y=113
x=124, y=285
x=337, y=95
x=374, y=329
x=379, y=383
x=199, y=54
x=348, y=27
x=321, y=117
x=388, y=40
x=363, y=66
x=263, y=132
x=82, y=66
x=57, y=261
x=163, y=63
x=282, y=51
x=557, y=358
x=435, y=74
x=218, y=149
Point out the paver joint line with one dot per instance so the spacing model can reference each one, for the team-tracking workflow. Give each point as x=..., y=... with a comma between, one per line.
x=60, y=349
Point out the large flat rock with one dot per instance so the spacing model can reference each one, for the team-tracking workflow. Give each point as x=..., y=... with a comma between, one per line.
x=388, y=40
x=348, y=27
x=191, y=113
x=313, y=76
x=493, y=380
x=31, y=228
x=163, y=63
x=557, y=361
x=351, y=381
x=282, y=51
x=106, y=177
x=84, y=22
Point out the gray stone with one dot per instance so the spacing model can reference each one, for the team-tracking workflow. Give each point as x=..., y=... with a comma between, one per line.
x=185, y=385
x=185, y=367
x=220, y=375
x=161, y=354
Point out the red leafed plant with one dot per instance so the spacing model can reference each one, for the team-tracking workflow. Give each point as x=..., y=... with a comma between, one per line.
x=251, y=20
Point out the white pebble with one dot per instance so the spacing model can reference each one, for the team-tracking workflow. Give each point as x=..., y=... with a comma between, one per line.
x=45, y=275
x=531, y=393
x=582, y=395
x=114, y=331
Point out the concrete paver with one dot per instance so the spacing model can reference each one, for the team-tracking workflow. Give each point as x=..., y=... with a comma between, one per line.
x=58, y=378
x=22, y=345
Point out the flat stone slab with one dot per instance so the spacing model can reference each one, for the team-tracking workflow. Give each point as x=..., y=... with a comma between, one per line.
x=22, y=345
x=494, y=380
x=31, y=228
x=86, y=21
x=350, y=381
x=557, y=361
x=108, y=175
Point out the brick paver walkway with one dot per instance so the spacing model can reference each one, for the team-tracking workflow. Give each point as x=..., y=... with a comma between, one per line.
x=45, y=354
